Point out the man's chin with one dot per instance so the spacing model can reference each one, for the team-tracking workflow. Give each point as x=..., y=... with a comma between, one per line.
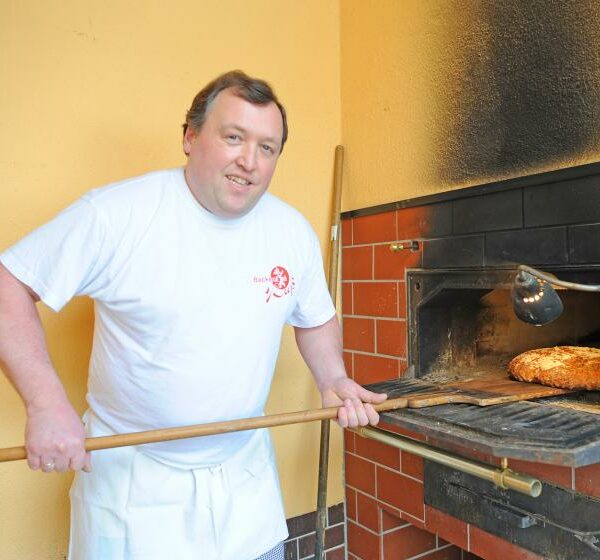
x=235, y=211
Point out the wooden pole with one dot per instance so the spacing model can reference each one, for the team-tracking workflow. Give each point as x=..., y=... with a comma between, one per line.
x=169, y=434
x=332, y=283
x=429, y=397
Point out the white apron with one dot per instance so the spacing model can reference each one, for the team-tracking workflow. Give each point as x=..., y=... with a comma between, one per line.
x=132, y=507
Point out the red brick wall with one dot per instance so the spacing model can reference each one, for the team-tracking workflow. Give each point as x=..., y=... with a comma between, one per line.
x=386, y=516
x=374, y=294
x=384, y=487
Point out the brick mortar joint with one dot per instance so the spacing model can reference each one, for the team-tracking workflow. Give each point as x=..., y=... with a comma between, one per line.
x=386, y=467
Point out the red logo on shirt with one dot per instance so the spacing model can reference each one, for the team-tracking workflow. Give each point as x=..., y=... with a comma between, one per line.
x=280, y=278
x=279, y=283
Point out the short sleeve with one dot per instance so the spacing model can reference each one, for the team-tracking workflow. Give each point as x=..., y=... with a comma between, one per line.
x=64, y=257
x=313, y=305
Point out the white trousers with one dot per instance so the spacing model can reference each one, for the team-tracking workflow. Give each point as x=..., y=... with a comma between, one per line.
x=133, y=507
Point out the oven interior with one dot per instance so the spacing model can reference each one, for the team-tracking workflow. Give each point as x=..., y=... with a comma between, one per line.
x=461, y=322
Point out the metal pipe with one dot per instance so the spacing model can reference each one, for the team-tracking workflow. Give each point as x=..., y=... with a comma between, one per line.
x=551, y=279
x=504, y=477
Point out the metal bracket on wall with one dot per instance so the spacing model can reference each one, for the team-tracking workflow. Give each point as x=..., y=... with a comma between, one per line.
x=404, y=245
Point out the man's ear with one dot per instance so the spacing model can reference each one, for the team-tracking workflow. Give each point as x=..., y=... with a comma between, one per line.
x=188, y=139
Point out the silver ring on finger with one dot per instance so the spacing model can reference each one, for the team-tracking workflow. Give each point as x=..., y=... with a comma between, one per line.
x=49, y=465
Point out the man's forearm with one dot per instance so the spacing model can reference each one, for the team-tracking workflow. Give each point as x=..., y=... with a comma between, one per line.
x=321, y=348
x=54, y=434
x=23, y=352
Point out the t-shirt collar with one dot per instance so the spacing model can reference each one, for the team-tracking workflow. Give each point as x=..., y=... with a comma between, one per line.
x=203, y=213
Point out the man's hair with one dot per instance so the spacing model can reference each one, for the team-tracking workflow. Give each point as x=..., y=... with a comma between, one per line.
x=252, y=90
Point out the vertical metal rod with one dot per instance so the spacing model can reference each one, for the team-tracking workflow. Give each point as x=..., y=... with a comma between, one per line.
x=332, y=283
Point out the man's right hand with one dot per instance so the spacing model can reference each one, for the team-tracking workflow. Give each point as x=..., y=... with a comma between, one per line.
x=55, y=438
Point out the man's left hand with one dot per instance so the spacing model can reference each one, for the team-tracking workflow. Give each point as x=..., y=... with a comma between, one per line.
x=355, y=403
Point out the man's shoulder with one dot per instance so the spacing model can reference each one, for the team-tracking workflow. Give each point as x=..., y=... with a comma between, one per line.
x=282, y=212
x=142, y=191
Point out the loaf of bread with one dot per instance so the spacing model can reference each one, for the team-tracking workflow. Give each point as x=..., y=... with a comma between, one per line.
x=567, y=367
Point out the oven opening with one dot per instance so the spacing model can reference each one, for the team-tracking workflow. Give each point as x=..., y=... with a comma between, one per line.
x=462, y=324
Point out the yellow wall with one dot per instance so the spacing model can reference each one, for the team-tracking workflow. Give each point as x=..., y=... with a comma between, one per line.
x=386, y=99
x=438, y=95
x=96, y=91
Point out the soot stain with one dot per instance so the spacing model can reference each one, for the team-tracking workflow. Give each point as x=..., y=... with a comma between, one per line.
x=533, y=96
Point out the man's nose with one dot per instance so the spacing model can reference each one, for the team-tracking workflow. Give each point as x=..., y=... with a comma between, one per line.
x=247, y=157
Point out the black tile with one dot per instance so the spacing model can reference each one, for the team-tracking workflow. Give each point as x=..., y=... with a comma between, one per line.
x=535, y=246
x=425, y=222
x=306, y=545
x=522, y=182
x=493, y=212
x=291, y=550
x=570, y=202
x=302, y=524
x=439, y=220
x=334, y=536
x=584, y=244
x=336, y=553
x=453, y=252
x=335, y=514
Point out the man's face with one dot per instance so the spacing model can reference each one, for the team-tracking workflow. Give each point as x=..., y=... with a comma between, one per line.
x=233, y=156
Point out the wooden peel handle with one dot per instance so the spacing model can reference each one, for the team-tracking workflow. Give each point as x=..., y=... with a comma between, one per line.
x=168, y=434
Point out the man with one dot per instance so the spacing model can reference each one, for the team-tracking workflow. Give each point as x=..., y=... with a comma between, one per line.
x=194, y=272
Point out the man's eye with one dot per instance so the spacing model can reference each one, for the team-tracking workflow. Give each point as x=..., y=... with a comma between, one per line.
x=233, y=137
x=268, y=149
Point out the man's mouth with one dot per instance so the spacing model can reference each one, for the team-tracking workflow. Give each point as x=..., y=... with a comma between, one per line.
x=238, y=180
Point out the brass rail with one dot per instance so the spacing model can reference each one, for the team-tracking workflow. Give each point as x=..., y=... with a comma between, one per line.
x=503, y=477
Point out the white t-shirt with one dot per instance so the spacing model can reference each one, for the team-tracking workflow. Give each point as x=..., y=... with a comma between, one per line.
x=189, y=307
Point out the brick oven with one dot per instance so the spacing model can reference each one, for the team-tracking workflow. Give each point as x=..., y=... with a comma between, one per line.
x=425, y=301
